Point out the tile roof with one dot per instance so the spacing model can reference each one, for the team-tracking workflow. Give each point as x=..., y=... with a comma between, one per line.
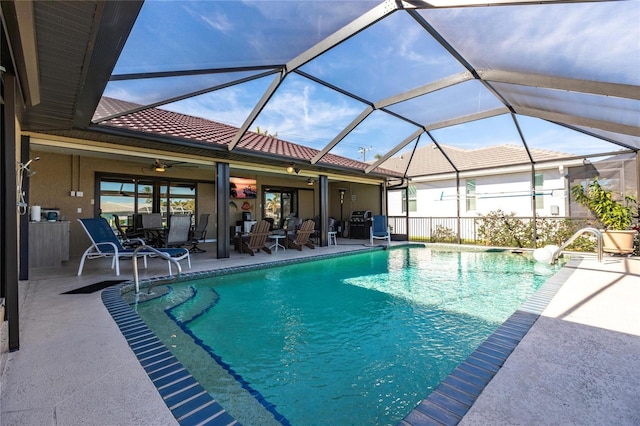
x=183, y=127
x=429, y=160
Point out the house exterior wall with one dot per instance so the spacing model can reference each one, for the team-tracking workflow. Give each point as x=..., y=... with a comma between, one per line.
x=509, y=192
x=58, y=174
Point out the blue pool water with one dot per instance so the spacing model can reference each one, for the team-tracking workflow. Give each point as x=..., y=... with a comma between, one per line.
x=359, y=339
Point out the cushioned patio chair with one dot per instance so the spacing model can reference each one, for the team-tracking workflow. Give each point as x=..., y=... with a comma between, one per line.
x=105, y=243
x=380, y=230
x=256, y=240
x=301, y=236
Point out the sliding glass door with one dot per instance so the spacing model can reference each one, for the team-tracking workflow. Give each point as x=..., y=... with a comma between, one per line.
x=127, y=198
x=278, y=204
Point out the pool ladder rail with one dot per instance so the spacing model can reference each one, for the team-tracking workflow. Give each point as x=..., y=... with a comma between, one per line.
x=594, y=231
x=165, y=256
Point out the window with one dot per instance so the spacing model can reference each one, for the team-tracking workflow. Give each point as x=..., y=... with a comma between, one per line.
x=539, y=184
x=471, y=194
x=413, y=199
x=126, y=198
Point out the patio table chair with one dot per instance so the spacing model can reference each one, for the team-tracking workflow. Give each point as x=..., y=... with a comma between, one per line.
x=199, y=233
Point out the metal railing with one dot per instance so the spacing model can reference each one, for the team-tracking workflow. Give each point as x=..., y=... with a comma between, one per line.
x=165, y=256
x=476, y=230
x=594, y=231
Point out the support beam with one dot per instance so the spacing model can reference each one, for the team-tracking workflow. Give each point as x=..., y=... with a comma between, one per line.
x=323, y=186
x=468, y=118
x=394, y=150
x=558, y=117
x=427, y=88
x=223, y=246
x=346, y=32
x=364, y=114
x=9, y=212
x=271, y=90
x=627, y=91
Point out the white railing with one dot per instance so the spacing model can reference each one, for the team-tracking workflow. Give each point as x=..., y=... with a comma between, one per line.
x=594, y=231
x=165, y=256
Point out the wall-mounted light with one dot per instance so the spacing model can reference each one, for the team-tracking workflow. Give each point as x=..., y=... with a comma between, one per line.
x=160, y=168
x=310, y=181
x=292, y=169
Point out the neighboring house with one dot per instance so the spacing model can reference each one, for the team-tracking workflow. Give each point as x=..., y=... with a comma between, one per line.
x=491, y=178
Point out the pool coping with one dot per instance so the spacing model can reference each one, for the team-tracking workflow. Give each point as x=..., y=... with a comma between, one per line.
x=187, y=400
x=190, y=403
x=450, y=401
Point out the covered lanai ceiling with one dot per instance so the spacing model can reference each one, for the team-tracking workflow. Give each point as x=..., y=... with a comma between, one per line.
x=369, y=81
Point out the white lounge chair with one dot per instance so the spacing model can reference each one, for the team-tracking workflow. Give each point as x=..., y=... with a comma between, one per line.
x=105, y=243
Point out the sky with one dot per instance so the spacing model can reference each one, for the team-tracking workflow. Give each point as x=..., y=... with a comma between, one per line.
x=392, y=56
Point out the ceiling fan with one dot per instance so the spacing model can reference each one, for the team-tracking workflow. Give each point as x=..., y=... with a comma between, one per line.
x=161, y=166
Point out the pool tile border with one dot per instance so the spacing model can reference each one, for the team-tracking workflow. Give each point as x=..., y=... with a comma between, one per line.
x=187, y=400
x=450, y=401
x=446, y=405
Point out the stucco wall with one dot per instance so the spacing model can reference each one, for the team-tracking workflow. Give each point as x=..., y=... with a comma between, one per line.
x=508, y=192
x=58, y=174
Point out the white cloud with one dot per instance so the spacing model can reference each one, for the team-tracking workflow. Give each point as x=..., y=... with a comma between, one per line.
x=212, y=17
x=301, y=113
x=219, y=22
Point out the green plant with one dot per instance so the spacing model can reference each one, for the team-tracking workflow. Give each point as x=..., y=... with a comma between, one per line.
x=612, y=213
x=501, y=229
x=442, y=234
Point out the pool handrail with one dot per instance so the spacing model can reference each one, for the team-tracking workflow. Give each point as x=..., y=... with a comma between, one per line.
x=594, y=231
x=165, y=256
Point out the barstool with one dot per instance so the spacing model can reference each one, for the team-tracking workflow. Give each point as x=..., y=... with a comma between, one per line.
x=332, y=237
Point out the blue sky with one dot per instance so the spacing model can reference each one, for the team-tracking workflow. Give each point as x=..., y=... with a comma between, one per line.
x=392, y=56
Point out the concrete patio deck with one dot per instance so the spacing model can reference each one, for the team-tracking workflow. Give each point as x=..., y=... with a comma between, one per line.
x=579, y=364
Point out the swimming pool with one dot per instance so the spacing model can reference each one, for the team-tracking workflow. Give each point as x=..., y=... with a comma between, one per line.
x=365, y=336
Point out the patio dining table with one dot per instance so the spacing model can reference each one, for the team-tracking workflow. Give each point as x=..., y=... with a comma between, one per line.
x=156, y=236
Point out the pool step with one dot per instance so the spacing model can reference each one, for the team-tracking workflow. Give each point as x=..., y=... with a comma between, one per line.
x=193, y=307
x=188, y=401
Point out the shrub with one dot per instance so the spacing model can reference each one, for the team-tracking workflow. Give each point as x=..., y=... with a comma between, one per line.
x=442, y=234
x=505, y=230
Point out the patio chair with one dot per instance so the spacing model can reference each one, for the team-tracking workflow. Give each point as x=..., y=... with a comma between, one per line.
x=379, y=230
x=301, y=236
x=105, y=243
x=198, y=233
x=128, y=238
x=179, y=233
x=256, y=240
x=154, y=231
